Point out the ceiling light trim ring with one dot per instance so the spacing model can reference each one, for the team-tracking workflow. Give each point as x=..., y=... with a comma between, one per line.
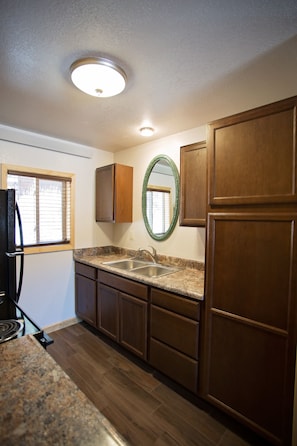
x=98, y=75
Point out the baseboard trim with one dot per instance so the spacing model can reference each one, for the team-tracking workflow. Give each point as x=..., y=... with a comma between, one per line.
x=60, y=325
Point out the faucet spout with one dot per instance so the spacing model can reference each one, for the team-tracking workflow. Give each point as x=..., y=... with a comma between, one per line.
x=152, y=254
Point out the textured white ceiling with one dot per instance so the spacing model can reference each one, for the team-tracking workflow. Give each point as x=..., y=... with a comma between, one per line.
x=187, y=61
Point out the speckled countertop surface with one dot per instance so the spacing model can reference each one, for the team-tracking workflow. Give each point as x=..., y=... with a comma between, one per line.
x=41, y=406
x=188, y=281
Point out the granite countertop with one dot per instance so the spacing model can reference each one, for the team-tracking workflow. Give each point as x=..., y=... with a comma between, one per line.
x=188, y=281
x=41, y=406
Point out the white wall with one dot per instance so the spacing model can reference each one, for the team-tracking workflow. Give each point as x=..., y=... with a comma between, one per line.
x=184, y=242
x=48, y=287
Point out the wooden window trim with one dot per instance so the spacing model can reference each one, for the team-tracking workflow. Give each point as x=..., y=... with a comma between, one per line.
x=8, y=168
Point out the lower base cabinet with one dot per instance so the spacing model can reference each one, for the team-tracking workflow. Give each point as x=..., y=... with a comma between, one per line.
x=119, y=308
x=85, y=293
x=174, y=337
x=122, y=311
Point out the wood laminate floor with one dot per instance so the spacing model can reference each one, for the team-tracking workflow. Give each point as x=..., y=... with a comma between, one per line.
x=142, y=408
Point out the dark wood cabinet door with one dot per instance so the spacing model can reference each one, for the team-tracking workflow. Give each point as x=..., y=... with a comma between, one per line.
x=105, y=193
x=123, y=198
x=252, y=156
x=250, y=325
x=133, y=324
x=108, y=311
x=193, y=164
x=114, y=193
x=85, y=298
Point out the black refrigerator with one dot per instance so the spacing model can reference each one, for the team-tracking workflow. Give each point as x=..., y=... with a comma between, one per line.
x=10, y=220
x=14, y=322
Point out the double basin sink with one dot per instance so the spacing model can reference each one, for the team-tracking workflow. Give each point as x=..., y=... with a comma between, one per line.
x=145, y=269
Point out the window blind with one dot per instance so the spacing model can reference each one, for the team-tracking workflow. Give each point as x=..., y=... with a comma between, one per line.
x=45, y=206
x=158, y=210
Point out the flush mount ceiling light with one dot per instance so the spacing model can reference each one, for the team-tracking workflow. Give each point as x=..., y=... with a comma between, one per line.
x=98, y=76
x=146, y=131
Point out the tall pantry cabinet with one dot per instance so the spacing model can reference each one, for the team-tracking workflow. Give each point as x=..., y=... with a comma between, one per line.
x=250, y=328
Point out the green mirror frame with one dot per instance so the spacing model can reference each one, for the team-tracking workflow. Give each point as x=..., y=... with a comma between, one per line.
x=144, y=189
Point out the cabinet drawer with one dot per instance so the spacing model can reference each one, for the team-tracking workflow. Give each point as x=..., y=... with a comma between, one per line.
x=122, y=284
x=175, y=365
x=178, y=304
x=175, y=330
x=85, y=270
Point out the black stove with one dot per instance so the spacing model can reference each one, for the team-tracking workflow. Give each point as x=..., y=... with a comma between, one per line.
x=14, y=323
x=10, y=329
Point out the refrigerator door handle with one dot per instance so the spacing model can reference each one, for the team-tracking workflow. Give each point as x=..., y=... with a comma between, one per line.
x=20, y=252
x=17, y=252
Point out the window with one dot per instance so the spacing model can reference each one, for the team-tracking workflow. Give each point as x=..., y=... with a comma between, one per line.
x=45, y=201
x=158, y=201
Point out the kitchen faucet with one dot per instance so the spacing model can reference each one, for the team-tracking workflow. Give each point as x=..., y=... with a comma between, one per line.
x=152, y=255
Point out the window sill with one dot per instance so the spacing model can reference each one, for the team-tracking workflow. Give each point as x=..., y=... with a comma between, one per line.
x=48, y=248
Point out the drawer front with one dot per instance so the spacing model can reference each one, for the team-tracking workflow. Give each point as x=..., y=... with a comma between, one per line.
x=175, y=365
x=175, y=330
x=85, y=270
x=122, y=284
x=178, y=304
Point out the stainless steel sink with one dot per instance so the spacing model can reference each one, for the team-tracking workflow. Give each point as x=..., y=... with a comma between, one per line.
x=143, y=268
x=126, y=264
x=155, y=270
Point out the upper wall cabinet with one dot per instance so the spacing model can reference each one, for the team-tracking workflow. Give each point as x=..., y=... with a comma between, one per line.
x=114, y=193
x=252, y=156
x=193, y=162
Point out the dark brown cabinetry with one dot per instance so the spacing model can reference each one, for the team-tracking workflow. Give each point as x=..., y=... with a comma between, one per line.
x=122, y=311
x=193, y=163
x=85, y=292
x=252, y=157
x=175, y=337
x=249, y=338
x=114, y=193
x=133, y=324
x=108, y=311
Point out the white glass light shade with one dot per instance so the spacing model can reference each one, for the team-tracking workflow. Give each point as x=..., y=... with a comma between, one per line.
x=146, y=131
x=98, y=77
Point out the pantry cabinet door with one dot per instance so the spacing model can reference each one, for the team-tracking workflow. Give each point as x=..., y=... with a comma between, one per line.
x=250, y=322
x=252, y=156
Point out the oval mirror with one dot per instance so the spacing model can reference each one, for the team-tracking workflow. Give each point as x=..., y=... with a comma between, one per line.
x=160, y=197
